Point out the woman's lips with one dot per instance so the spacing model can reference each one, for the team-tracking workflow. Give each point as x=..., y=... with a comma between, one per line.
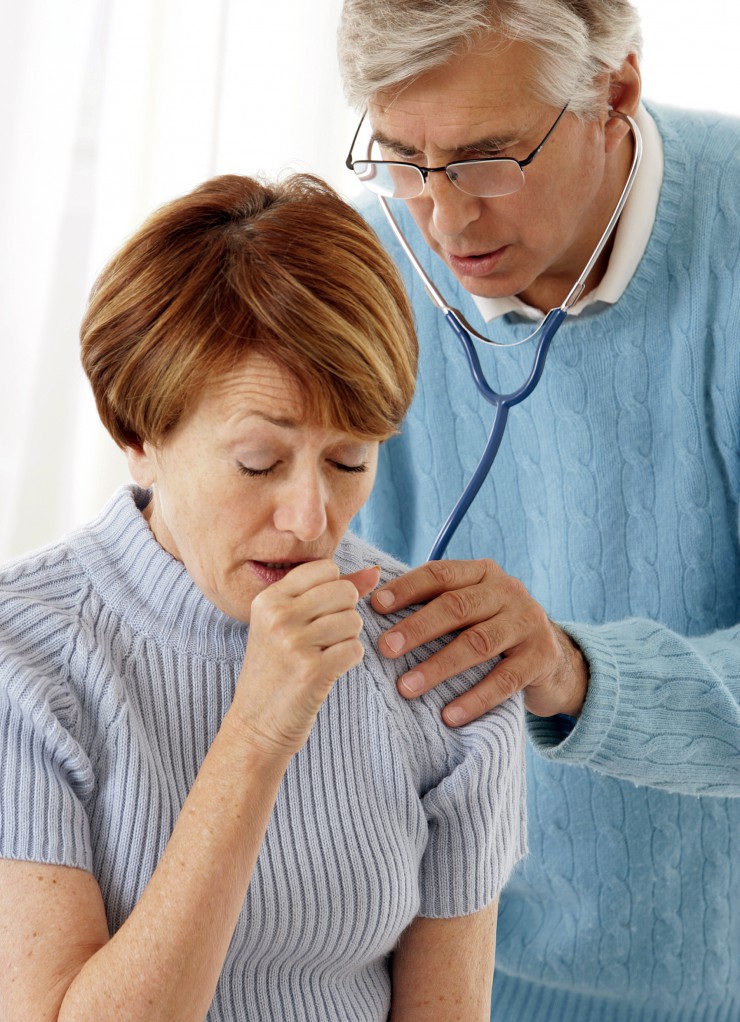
x=273, y=571
x=475, y=265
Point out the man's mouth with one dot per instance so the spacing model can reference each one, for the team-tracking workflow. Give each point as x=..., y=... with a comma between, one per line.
x=475, y=265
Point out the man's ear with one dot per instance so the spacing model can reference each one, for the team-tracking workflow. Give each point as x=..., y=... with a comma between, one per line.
x=625, y=87
x=142, y=464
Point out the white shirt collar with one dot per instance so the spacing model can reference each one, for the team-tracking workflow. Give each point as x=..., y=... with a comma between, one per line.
x=630, y=238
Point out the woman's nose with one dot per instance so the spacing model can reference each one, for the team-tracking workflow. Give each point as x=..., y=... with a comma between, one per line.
x=302, y=509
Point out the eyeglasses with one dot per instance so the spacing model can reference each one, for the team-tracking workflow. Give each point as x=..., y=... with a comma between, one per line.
x=486, y=178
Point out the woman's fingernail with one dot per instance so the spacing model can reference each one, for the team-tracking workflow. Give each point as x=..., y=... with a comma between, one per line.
x=394, y=641
x=413, y=682
x=455, y=716
x=385, y=598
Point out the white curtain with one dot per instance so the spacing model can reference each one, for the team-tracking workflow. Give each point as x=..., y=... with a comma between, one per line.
x=110, y=107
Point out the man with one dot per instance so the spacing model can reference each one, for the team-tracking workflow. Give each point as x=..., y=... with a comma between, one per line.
x=614, y=504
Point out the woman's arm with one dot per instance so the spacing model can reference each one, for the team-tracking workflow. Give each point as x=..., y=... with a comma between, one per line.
x=57, y=963
x=57, y=960
x=443, y=969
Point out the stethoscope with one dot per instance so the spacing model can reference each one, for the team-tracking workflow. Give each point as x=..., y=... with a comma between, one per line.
x=543, y=336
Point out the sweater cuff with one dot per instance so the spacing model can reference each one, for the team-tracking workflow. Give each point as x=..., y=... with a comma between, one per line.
x=555, y=738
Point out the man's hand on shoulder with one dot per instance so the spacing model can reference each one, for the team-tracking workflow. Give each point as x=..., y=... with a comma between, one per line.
x=495, y=616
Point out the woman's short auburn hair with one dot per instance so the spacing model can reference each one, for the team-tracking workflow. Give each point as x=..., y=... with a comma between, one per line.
x=237, y=266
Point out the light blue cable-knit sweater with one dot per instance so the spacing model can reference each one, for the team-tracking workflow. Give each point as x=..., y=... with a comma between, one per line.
x=115, y=674
x=616, y=499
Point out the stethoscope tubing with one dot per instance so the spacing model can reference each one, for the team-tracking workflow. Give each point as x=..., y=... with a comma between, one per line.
x=544, y=334
x=502, y=403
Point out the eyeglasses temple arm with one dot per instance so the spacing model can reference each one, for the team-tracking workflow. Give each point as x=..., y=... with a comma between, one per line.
x=575, y=292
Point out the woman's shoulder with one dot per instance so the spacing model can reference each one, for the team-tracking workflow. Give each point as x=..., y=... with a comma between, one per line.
x=47, y=598
x=52, y=572
x=37, y=590
x=354, y=553
x=418, y=722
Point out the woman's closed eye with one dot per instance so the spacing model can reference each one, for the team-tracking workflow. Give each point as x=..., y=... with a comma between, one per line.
x=255, y=473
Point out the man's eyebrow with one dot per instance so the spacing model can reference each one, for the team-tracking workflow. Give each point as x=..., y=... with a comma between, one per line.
x=486, y=144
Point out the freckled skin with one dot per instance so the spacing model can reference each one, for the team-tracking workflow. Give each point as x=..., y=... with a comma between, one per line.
x=219, y=522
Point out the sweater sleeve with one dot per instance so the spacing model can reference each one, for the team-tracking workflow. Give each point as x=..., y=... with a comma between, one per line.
x=45, y=780
x=470, y=783
x=662, y=710
x=46, y=777
x=475, y=814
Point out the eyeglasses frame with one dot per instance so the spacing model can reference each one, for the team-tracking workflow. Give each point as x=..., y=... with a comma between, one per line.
x=426, y=171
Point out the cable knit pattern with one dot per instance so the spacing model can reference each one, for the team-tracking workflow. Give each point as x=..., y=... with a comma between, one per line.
x=616, y=499
x=115, y=675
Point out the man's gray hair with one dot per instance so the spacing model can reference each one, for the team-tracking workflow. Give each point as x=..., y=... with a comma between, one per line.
x=385, y=44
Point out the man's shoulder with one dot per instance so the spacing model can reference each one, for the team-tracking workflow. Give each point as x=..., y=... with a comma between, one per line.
x=370, y=209
x=704, y=133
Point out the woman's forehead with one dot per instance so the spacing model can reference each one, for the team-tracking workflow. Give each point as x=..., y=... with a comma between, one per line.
x=257, y=386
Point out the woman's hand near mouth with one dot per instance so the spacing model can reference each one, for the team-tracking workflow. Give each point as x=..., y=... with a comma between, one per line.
x=303, y=635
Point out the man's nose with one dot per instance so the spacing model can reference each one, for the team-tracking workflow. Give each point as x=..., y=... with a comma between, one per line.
x=302, y=509
x=452, y=210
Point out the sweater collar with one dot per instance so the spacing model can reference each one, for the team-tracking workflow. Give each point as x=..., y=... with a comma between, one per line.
x=147, y=588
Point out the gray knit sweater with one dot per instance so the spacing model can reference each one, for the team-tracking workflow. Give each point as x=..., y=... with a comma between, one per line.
x=115, y=674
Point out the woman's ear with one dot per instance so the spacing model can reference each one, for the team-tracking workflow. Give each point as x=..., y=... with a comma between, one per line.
x=142, y=464
x=625, y=87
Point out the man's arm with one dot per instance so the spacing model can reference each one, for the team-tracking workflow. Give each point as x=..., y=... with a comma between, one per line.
x=653, y=707
x=662, y=710
x=443, y=969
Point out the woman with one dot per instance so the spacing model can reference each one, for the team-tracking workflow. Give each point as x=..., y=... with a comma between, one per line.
x=214, y=801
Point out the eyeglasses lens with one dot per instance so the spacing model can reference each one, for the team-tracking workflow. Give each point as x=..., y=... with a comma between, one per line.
x=483, y=178
x=486, y=178
x=392, y=180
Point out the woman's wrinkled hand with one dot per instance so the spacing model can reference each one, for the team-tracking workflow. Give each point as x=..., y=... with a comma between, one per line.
x=495, y=616
x=303, y=635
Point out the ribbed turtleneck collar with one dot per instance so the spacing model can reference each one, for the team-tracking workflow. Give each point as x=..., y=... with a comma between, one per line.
x=148, y=588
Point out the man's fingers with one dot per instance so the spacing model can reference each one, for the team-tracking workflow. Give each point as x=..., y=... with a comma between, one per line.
x=504, y=681
x=474, y=646
x=495, y=617
x=429, y=580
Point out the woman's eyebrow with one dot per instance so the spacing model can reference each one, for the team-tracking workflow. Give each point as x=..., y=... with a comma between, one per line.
x=286, y=422
x=238, y=428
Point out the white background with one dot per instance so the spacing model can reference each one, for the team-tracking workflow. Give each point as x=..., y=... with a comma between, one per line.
x=110, y=107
